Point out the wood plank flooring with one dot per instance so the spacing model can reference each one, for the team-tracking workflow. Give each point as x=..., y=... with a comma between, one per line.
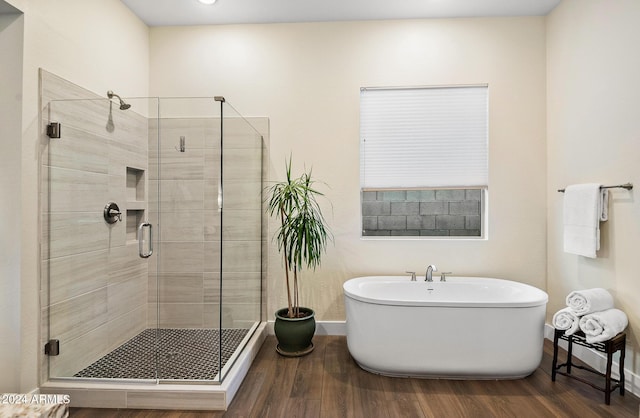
x=328, y=383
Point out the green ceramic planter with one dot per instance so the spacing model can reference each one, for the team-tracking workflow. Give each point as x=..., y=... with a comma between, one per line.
x=295, y=334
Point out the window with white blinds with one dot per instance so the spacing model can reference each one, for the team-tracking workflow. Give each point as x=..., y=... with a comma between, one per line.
x=430, y=137
x=424, y=161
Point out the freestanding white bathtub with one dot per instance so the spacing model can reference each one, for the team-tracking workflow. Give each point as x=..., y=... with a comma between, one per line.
x=464, y=328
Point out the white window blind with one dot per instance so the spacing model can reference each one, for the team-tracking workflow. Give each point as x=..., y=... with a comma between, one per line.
x=424, y=137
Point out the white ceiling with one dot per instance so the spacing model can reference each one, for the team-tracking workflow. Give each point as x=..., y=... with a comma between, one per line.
x=191, y=12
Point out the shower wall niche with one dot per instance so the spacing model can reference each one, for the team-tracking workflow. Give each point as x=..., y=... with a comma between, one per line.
x=192, y=172
x=136, y=202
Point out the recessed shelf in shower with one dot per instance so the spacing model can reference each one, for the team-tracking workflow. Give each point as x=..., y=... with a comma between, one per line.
x=135, y=185
x=134, y=218
x=136, y=202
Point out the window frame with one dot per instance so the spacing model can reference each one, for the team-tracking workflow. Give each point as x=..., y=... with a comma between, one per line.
x=402, y=233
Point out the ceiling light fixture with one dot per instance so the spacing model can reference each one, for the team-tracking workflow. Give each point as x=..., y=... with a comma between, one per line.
x=207, y=1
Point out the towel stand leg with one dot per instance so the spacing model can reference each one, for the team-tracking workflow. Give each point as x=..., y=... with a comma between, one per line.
x=569, y=355
x=621, y=371
x=556, y=337
x=607, y=379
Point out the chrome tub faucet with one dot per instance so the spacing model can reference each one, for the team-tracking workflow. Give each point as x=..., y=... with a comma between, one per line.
x=428, y=277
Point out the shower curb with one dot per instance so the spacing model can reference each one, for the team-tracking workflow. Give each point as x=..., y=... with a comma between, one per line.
x=185, y=396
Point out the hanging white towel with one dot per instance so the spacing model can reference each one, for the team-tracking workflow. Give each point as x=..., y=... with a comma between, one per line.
x=604, y=325
x=566, y=320
x=583, y=302
x=583, y=210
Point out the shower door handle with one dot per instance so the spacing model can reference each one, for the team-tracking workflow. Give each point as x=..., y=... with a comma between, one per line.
x=141, y=240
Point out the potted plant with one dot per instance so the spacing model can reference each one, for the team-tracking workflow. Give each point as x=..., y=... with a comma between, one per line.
x=302, y=239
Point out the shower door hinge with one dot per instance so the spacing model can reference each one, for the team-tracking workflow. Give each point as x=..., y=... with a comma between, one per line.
x=53, y=130
x=52, y=348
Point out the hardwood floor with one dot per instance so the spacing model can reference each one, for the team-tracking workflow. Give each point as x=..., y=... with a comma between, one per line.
x=328, y=383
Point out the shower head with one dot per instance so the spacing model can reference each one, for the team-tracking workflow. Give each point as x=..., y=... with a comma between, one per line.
x=123, y=105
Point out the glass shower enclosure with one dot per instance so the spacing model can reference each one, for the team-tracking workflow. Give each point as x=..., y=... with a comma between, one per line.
x=151, y=222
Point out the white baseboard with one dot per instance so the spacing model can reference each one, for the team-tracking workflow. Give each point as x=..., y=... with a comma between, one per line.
x=598, y=361
x=322, y=327
x=331, y=328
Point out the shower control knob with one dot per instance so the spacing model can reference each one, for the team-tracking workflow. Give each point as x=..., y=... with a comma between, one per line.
x=112, y=213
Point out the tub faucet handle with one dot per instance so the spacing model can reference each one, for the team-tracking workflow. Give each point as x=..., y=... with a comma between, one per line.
x=443, y=277
x=413, y=275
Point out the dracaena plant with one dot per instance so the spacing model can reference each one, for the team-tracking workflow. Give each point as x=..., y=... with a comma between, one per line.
x=302, y=235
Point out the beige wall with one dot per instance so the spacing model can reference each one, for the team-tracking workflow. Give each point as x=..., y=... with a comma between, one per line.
x=99, y=45
x=11, y=45
x=594, y=136
x=306, y=79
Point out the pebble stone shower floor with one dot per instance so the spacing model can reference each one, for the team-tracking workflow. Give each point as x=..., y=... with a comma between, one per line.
x=183, y=354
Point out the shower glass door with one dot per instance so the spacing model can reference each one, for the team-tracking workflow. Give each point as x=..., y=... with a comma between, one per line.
x=95, y=192
x=152, y=236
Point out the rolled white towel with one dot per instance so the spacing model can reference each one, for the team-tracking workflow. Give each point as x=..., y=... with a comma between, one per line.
x=566, y=320
x=589, y=300
x=602, y=326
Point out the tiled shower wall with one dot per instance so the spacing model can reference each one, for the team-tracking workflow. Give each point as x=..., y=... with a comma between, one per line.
x=452, y=212
x=93, y=284
x=185, y=188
